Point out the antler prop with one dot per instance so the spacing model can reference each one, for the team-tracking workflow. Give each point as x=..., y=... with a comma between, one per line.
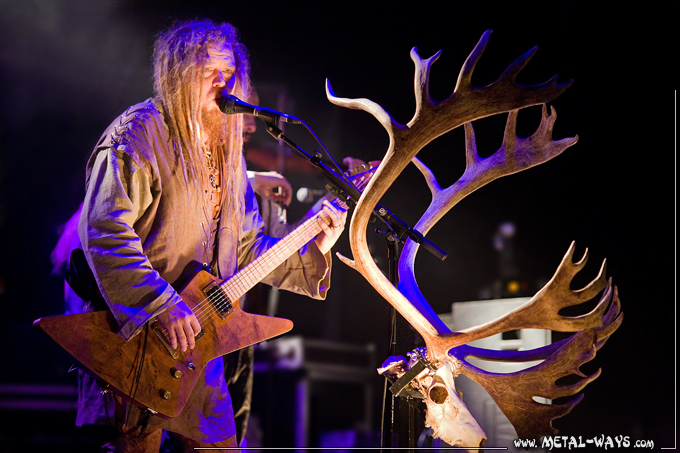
x=468, y=103
x=431, y=120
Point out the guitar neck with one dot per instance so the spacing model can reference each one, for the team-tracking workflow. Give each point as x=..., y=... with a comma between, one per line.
x=241, y=282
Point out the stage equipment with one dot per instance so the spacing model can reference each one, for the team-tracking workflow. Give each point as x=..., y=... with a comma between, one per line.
x=305, y=387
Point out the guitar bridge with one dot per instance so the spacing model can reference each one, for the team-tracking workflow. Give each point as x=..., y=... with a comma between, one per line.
x=163, y=336
x=218, y=299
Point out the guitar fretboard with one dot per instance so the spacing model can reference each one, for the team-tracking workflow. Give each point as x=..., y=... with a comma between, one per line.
x=241, y=282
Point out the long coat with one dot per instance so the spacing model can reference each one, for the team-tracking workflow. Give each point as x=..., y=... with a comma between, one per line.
x=142, y=228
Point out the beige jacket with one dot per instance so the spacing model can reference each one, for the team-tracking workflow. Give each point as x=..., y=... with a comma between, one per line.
x=143, y=226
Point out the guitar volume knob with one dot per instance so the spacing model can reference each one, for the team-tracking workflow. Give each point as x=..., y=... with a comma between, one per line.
x=165, y=394
x=176, y=373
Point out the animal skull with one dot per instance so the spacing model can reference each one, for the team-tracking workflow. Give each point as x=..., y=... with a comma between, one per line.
x=447, y=415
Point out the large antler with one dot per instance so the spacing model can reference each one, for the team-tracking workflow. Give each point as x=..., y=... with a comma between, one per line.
x=513, y=392
x=514, y=155
x=431, y=120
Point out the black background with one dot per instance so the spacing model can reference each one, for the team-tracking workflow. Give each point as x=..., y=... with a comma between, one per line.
x=68, y=68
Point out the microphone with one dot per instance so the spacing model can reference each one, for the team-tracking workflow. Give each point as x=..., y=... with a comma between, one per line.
x=231, y=104
x=307, y=195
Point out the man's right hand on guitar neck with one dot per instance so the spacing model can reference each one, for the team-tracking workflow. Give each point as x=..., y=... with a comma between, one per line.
x=181, y=325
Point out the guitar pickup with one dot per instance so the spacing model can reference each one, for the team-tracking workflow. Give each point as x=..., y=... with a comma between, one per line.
x=218, y=299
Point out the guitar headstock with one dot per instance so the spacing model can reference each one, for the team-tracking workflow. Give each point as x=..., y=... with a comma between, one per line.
x=362, y=174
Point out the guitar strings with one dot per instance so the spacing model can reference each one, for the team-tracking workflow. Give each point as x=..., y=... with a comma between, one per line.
x=221, y=299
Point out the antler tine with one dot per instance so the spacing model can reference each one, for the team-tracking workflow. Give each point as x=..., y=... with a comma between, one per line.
x=465, y=74
x=362, y=104
x=422, y=81
x=611, y=320
x=430, y=179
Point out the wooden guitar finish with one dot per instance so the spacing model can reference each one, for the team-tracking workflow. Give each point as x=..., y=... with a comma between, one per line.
x=165, y=382
x=144, y=369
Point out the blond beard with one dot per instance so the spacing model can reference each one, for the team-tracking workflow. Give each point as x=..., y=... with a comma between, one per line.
x=214, y=127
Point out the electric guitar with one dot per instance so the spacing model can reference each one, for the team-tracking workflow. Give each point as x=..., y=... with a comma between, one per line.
x=145, y=369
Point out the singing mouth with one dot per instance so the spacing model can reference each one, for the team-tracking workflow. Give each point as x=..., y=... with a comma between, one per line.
x=216, y=99
x=213, y=100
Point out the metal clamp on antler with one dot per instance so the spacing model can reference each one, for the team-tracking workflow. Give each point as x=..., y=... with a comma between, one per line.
x=401, y=387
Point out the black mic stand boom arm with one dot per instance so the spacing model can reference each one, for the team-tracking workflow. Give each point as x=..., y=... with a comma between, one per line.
x=351, y=194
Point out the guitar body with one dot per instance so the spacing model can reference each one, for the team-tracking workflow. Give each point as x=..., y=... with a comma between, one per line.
x=144, y=370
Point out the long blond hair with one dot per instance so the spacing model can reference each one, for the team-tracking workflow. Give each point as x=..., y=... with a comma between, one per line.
x=179, y=56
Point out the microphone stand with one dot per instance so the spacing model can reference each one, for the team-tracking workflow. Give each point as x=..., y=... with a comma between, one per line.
x=397, y=234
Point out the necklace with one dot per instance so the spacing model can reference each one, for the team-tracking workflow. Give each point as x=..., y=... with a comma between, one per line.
x=213, y=176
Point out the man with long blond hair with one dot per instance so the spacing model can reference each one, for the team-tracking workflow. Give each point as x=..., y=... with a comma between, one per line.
x=167, y=195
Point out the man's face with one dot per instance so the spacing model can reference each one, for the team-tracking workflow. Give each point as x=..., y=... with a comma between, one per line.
x=217, y=74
